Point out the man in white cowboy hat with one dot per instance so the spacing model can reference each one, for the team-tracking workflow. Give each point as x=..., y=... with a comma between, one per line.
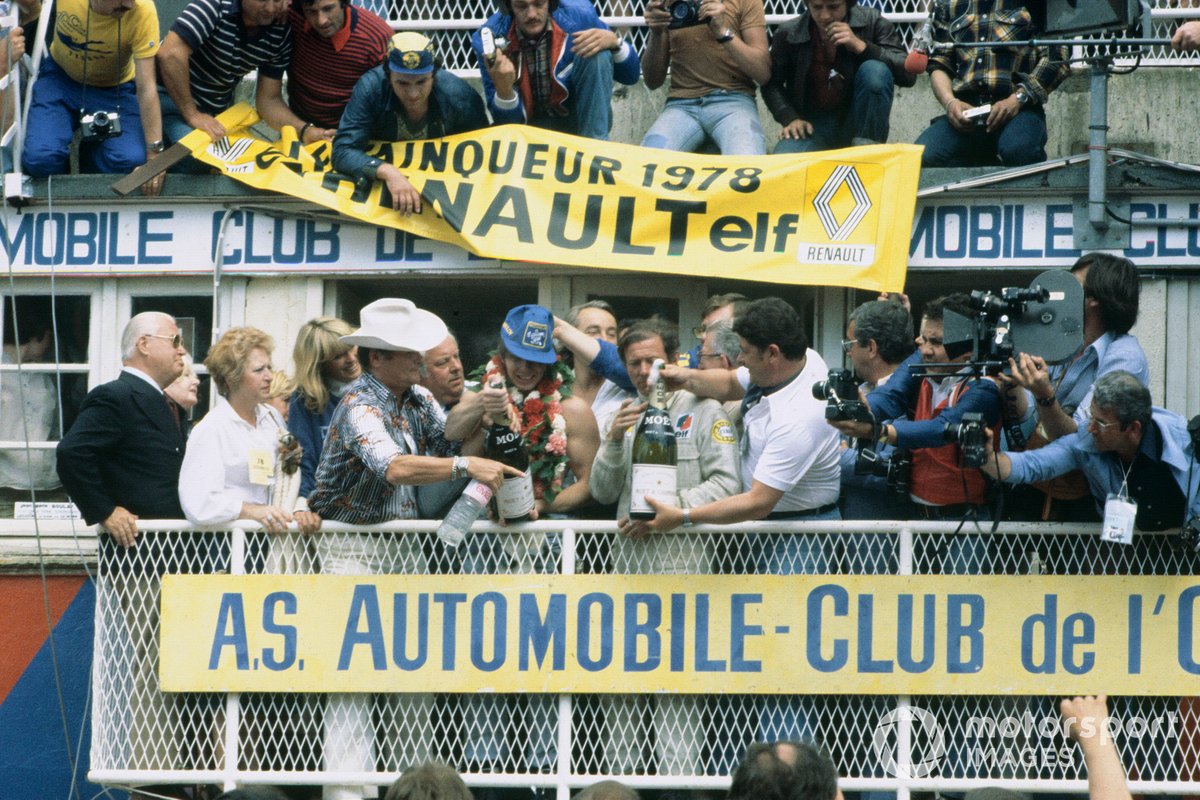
x=385, y=439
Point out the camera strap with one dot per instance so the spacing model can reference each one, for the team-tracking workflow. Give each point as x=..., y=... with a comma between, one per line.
x=87, y=32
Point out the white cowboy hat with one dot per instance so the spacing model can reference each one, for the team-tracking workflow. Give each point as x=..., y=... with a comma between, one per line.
x=395, y=324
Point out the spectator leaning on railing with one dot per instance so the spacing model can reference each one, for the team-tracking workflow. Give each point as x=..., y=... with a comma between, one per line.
x=210, y=48
x=1128, y=449
x=833, y=73
x=333, y=45
x=408, y=97
x=558, y=67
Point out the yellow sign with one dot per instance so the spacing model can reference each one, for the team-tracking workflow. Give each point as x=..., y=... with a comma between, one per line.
x=837, y=218
x=797, y=634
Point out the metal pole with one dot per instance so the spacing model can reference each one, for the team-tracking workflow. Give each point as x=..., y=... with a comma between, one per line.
x=1098, y=148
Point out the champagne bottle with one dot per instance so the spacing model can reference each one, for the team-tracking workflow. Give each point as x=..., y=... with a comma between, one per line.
x=653, y=468
x=515, y=498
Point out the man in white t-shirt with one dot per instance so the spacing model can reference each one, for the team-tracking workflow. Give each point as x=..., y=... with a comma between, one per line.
x=790, y=464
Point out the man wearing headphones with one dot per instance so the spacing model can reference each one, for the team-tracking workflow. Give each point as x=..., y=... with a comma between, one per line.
x=556, y=66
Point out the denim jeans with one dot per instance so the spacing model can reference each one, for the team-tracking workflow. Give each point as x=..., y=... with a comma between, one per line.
x=730, y=119
x=866, y=118
x=54, y=115
x=792, y=718
x=1022, y=141
x=590, y=103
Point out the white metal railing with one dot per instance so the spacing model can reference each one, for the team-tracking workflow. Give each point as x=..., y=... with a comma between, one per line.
x=140, y=735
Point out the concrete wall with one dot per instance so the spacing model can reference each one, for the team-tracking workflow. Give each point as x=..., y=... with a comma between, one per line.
x=1153, y=111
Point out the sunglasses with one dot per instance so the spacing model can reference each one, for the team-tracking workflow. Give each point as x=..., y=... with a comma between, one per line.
x=176, y=340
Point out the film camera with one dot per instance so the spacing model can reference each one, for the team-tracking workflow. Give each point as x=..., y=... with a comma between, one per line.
x=840, y=391
x=99, y=125
x=1044, y=320
x=897, y=468
x=970, y=434
x=684, y=13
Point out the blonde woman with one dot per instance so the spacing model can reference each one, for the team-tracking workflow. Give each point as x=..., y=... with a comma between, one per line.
x=325, y=367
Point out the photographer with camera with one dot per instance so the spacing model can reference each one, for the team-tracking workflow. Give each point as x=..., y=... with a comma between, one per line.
x=994, y=97
x=834, y=70
x=878, y=340
x=941, y=418
x=1139, y=460
x=1062, y=393
x=717, y=52
x=551, y=63
x=98, y=76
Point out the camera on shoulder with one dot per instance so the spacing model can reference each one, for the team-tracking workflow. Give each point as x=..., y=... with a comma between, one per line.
x=99, y=125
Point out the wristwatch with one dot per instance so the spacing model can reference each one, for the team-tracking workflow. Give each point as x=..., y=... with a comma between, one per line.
x=727, y=36
x=687, y=518
x=157, y=146
x=1023, y=96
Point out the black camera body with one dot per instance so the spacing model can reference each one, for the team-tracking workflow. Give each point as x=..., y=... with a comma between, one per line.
x=971, y=436
x=1189, y=535
x=896, y=469
x=684, y=14
x=99, y=125
x=840, y=391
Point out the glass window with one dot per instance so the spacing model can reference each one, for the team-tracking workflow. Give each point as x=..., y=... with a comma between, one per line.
x=44, y=370
x=193, y=315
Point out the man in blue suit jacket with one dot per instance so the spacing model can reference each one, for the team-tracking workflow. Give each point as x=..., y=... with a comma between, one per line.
x=121, y=458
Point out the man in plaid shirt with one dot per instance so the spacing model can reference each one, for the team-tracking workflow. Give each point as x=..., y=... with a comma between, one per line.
x=1015, y=80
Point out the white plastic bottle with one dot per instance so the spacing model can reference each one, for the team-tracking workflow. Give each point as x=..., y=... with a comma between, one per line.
x=463, y=513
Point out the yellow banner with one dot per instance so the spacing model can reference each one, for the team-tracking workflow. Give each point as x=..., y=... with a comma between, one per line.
x=691, y=634
x=837, y=218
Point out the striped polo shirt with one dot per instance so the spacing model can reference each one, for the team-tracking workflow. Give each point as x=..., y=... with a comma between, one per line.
x=324, y=70
x=223, y=51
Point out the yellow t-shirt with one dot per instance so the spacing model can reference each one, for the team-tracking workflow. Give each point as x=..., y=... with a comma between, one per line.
x=80, y=36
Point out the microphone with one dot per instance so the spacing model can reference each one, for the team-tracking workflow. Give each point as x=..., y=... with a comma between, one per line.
x=918, y=58
x=915, y=62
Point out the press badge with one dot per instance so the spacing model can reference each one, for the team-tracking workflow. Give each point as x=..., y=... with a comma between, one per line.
x=261, y=467
x=1119, y=516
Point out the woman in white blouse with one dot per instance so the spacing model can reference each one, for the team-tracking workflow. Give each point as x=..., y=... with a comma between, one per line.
x=229, y=465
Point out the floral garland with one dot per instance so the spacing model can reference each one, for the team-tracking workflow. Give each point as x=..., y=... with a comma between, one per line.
x=542, y=424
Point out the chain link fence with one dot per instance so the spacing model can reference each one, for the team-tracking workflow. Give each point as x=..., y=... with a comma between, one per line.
x=141, y=735
x=450, y=24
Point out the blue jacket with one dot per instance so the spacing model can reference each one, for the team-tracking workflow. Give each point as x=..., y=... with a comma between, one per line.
x=371, y=115
x=1103, y=470
x=895, y=401
x=309, y=429
x=570, y=16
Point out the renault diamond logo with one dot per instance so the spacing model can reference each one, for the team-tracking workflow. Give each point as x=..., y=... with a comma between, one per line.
x=843, y=175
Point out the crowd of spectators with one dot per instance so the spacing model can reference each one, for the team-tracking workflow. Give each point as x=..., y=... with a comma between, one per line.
x=827, y=76
x=383, y=419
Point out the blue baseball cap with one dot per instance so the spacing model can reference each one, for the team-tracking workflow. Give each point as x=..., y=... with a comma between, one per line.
x=410, y=53
x=526, y=334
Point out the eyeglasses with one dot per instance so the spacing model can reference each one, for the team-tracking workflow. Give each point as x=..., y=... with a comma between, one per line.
x=703, y=356
x=698, y=331
x=848, y=345
x=176, y=340
x=1102, y=426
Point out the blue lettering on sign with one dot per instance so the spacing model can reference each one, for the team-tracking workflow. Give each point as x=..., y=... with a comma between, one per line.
x=583, y=643
x=841, y=608
x=231, y=632
x=964, y=633
x=955, y=232
x=84, y=239
x=703, y=662
x=739, y=631
x=400, y=655
x=866, y=628
x=479, y=619
x=364, y=607
x=538, y=633
x=292, y=241
x=271, y=605
x=1187, y=630
x=449, y=603
x=646, y=629
x=393, y=245
x=904, y=634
